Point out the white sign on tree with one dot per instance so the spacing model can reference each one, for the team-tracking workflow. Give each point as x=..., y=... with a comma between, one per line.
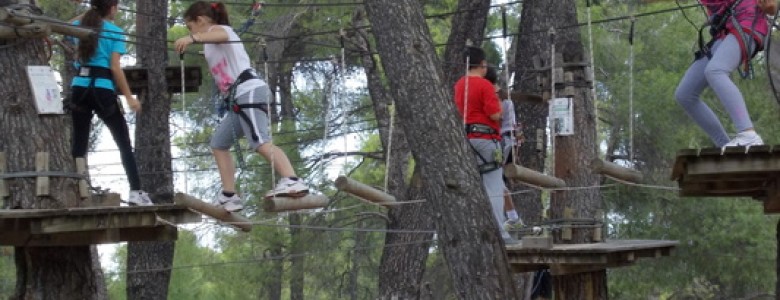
x=45, y=90
x=562, y=116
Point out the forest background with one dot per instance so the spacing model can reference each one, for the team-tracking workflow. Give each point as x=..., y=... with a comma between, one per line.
x=727, y=246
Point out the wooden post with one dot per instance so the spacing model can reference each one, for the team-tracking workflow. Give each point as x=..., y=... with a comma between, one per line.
x=568, y=80
x=597, y=234
x=614, y=170
x=532, y=177
x=81, y=169
x=566, y=232
x=363, y=191
x=212, y=211
x=280, y=204
x=42, y=182
x=3, y=187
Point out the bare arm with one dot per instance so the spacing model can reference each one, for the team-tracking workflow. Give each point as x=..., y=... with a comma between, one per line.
x=216, y=35
x=121, y=82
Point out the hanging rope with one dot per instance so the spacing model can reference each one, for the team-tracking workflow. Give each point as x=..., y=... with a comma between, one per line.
x=507, y=88
x=184, y=114
x=592, y=67
x=552, y=96
x=389, y=151
x=631, y=92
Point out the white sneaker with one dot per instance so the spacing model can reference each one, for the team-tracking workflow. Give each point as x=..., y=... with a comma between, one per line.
x=139, y=198
x=231, y=204
x=746, y=138
x=289, y=188
x=513, y=224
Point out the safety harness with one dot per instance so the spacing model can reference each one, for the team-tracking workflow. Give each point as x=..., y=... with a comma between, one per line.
x=485, y=166
x=232, y=104
x=93, y=73
x=743, y=35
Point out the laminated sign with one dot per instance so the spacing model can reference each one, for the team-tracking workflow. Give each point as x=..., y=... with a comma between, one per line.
x=562, y=116
x=45, y=90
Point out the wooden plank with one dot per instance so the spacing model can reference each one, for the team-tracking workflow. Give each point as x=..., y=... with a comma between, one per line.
x=281, y=204
x=734, y=165
x=608, y=246
x=3, y=187
x=566, y=232
x=106, y=236
x=81, y=169
x=218, y=213
x=77, y=223
x=42, y=182
x=76, y=211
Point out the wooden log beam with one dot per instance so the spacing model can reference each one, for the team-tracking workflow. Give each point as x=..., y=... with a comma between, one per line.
x=21, y=16
x=280, y=204
x=220, y=214
x=532, y=177
x=25, y=31
x=614, y=170
x=363, y=191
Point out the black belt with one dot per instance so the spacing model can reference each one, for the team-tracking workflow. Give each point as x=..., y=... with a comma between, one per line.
x=480, y=128
x=95, y=72
x=507, y=134
x=246, y=75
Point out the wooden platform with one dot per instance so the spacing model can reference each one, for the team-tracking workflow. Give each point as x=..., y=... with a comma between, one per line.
x=576, y=258
x=733, y=173
x=92, y=225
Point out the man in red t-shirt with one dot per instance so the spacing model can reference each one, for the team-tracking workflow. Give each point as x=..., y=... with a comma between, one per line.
x=479, y=107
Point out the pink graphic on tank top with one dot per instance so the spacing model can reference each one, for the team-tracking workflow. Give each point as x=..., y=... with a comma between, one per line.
x=221, y=76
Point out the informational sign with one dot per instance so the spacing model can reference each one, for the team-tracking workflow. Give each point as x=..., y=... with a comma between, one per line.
x=562, y=116
x=45, y=90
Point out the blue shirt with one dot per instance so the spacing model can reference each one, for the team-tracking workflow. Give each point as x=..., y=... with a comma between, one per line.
x=112, y=39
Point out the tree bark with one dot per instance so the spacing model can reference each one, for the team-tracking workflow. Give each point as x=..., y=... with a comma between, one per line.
x=468, y=233
x=149, y=263
x=572, y=153
x=297, y=263
x=42, y=272
x=402, y=266
x=468, y=25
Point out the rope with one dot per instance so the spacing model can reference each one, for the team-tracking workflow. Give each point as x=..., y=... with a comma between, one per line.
x=43, y=174
x=631, y=93
x=592, y=68
x=389, y=146
x=184, y=113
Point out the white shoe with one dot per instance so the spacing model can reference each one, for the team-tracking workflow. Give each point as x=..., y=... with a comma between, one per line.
x=745, y=138
x=231, y=204
x=513, y=224
x=288, y=188
x=139, y=198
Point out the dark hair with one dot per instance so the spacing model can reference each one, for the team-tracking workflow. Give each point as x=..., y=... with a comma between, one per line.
x=214, y=10
x=94, y=19
x=491, y=75
x=474, y=56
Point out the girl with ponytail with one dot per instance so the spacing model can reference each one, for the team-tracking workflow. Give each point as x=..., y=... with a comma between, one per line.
x=247, y=97
x=93, y=90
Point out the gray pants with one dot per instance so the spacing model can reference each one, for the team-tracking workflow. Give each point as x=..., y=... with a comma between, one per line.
x=233, y=126
x=704, y=72
x=492, y=181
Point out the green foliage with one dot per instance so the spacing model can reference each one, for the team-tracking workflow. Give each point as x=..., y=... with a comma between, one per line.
x=726, y=245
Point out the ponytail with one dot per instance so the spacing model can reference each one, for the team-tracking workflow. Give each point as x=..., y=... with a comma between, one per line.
x=93, y=19
x=216, y=11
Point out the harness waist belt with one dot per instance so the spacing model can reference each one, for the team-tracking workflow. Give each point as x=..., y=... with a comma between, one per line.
x=479, y=128
x=246, y=75
x=95, y=72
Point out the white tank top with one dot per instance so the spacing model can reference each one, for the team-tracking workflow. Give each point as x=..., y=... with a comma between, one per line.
x=227, y=61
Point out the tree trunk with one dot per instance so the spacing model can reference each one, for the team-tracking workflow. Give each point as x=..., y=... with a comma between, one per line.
x=297, y=263
x=42, y=272
x=149, y=263
x=273, y=289
x=468, y=25
x=572, y=153
x=402, y=266
x=468, y=233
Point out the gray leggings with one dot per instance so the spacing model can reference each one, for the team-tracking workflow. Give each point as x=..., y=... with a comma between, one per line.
x=726, y=57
